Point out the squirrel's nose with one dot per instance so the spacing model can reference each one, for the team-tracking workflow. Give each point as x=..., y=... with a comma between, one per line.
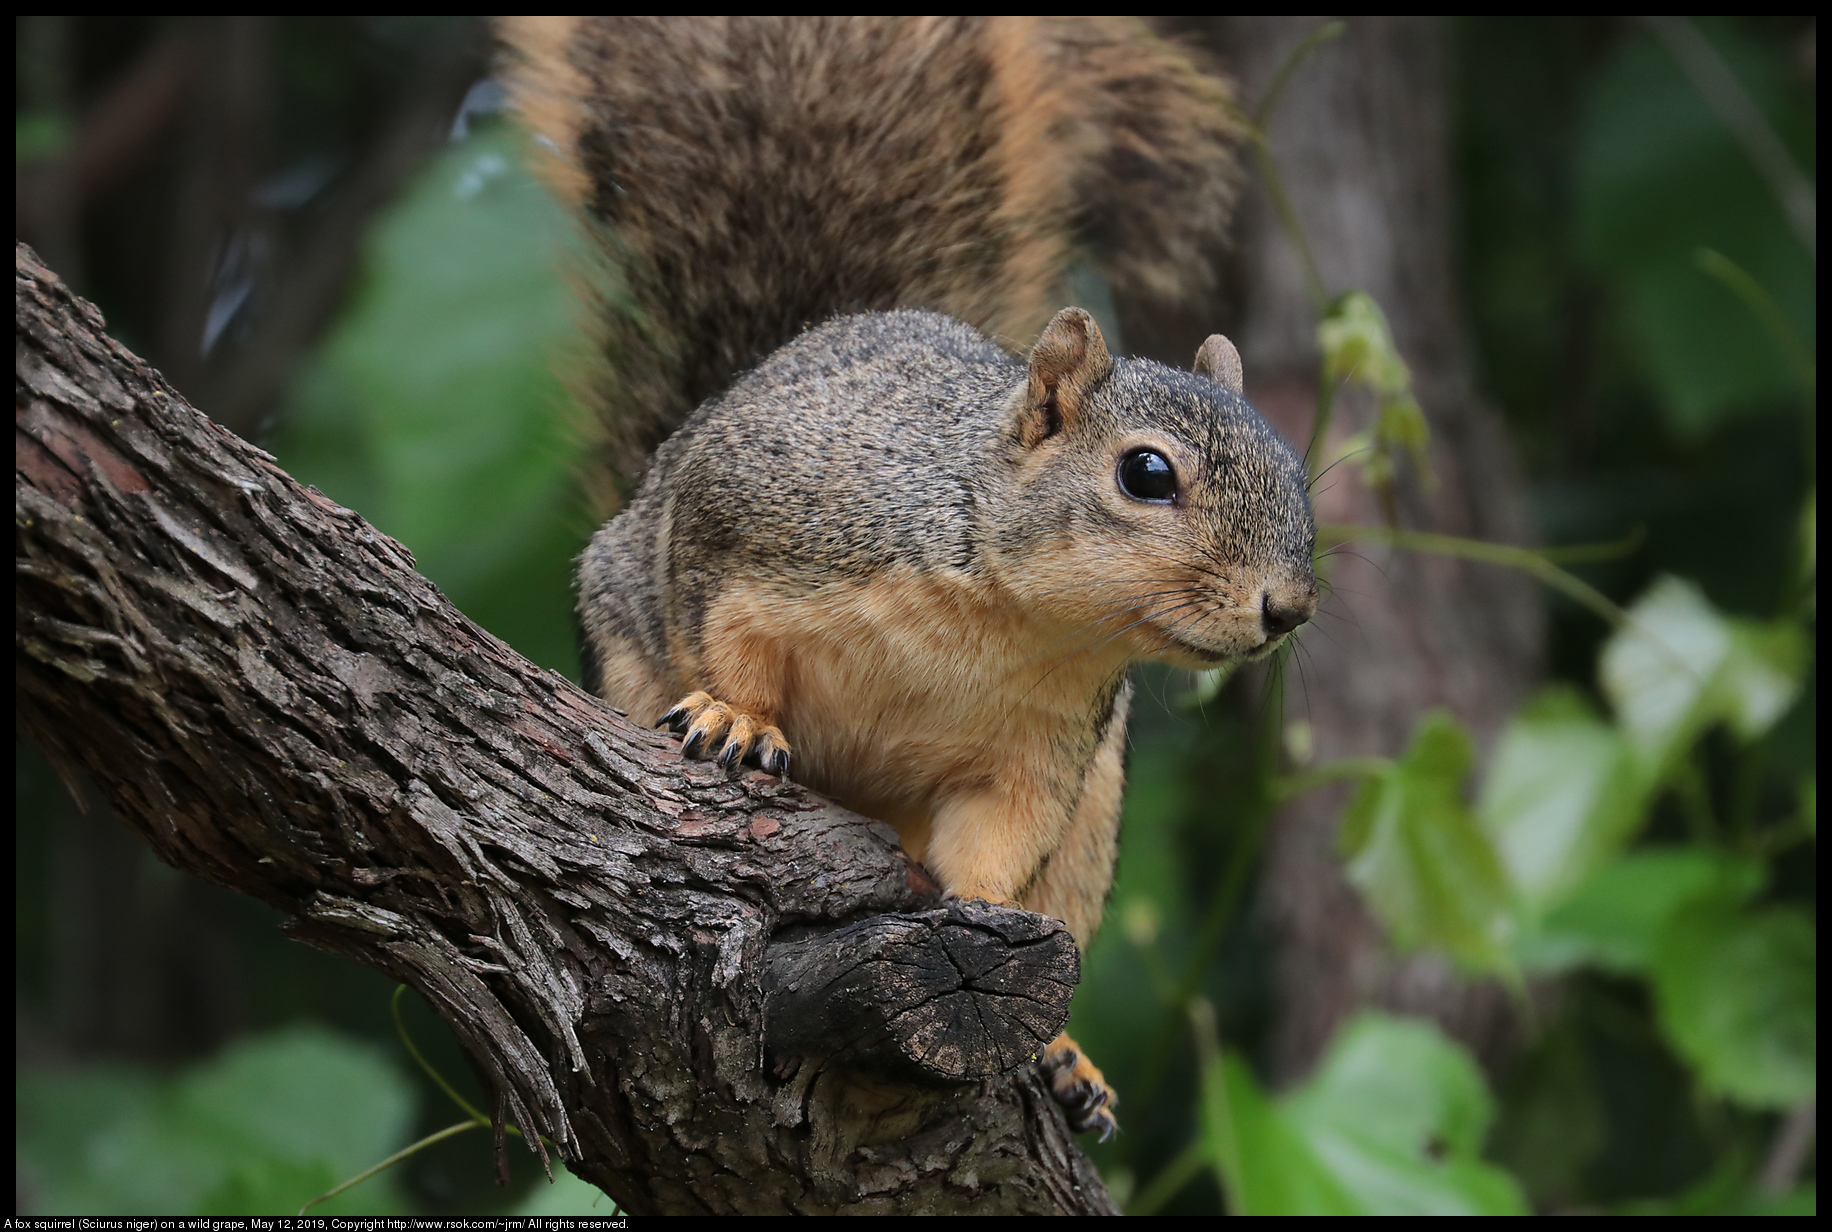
x=1283, y=613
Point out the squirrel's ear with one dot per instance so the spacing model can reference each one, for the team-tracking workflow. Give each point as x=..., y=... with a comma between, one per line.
x=1220, y=362
x=1069, y=360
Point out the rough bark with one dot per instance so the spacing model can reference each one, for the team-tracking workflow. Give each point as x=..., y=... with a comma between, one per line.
x=1360, y=140
x=272, y=697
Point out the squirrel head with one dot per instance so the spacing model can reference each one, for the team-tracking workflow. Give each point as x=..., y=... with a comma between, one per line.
x=1153, y=508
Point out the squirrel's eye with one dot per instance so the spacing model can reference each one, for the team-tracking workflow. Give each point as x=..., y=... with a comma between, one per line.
x=1146, y=475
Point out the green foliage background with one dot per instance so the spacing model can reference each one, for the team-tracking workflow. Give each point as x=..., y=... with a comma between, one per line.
x=1645, y=829
x=434, y=408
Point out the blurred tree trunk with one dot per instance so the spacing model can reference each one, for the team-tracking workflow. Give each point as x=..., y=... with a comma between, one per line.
x=1360, y=138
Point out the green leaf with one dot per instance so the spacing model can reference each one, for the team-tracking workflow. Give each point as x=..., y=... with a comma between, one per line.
x=1402, y=1075
x=1397, y=1113
x=1264, y=1167
x=566, y=1195
x=1561, y=796
x=1615, y=919
x=1761, y=675
x=1737, y=992
x=1657, y=670
x=258, y=1130
x=1357, y=345
x=58, y=1109
x=1802, y=1201
x=271, y=1186
x=1678, y=666
x=304, y=1093
x=1392, y=1123
x=1417, y=854
x=1358, y=348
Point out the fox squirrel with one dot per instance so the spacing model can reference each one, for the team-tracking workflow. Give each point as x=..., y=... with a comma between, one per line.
x=890, y=558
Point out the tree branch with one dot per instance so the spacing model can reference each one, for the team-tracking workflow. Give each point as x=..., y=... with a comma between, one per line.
x=275, y=700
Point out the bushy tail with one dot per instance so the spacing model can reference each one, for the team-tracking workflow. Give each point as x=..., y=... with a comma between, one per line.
x=750, y=176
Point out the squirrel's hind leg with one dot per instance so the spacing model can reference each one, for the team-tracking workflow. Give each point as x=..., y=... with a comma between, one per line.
x=1073, y=887
x=1079, y=1086
x=727, y=734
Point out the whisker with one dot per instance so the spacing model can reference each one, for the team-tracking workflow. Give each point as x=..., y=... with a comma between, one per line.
x=1298, y=654
x=1272, y=694
x=1353, y=453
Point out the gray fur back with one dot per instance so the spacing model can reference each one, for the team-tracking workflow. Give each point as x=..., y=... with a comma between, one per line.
x=900, y=407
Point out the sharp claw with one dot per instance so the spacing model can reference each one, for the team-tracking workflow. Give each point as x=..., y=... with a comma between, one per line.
x=728, y=756
x=1083, y=1102
x=1086, y=1099
x=672, y=719
x=779, y=763
x=696, y=741
x=1089, y=1115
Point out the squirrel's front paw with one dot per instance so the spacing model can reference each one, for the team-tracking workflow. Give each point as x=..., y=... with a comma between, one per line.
x=727, y=735
x=1079, y=1087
